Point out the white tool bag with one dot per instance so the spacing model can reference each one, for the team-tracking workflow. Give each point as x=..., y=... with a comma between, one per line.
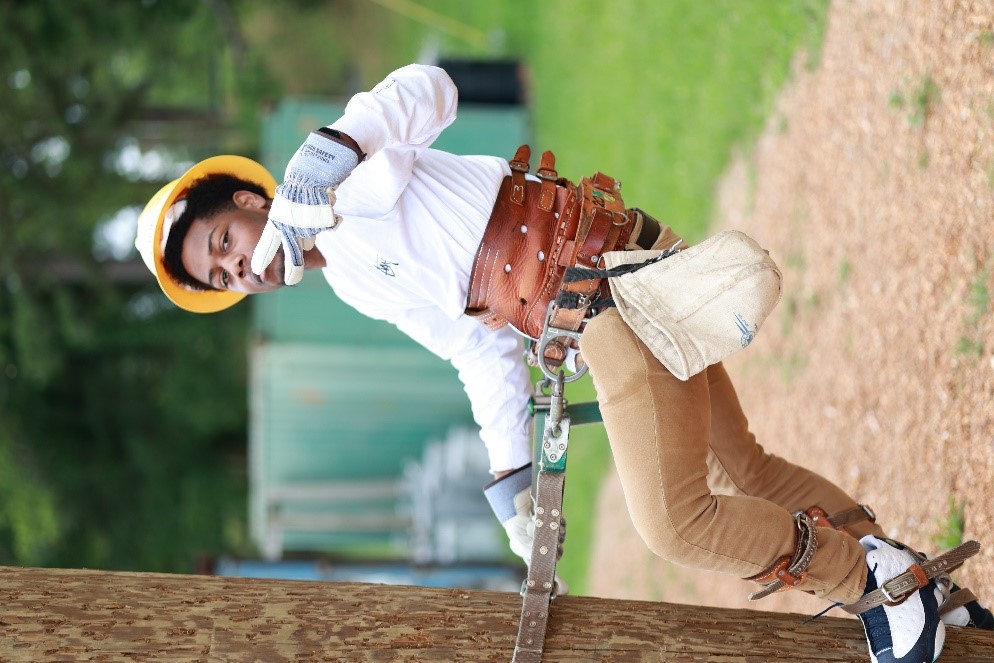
x=696, y=307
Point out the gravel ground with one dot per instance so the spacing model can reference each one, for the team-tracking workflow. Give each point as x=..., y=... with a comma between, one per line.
x=872, y=188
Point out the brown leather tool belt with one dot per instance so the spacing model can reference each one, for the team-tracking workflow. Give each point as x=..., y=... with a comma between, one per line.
x=536, y=231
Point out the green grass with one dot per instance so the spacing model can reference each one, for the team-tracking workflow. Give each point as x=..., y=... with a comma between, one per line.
x=978, y=301
x=845, y=271
x=951, y=529
x=657, y=94
x=923, y=99
x=920, y=103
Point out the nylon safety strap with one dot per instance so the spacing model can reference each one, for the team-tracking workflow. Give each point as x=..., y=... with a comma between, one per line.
x=551, y=436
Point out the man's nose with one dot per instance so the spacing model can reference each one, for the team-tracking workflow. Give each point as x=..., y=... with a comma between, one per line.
x=236, y=264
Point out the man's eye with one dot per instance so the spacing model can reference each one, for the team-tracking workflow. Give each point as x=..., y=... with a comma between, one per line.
x=224, y=241
x=224, y=278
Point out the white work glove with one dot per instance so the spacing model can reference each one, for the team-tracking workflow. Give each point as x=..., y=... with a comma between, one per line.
x=511, y=500
x=304, y=203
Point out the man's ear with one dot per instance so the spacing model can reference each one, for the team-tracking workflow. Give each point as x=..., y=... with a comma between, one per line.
x=249, y=200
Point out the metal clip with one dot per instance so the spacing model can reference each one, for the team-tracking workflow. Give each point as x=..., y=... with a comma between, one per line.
x=555, y=437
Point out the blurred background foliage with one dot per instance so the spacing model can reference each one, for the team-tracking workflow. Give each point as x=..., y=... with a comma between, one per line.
x=117, y=448
x=122, y=419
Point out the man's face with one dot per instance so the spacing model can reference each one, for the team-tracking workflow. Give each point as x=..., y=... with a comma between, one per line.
x=218, y=251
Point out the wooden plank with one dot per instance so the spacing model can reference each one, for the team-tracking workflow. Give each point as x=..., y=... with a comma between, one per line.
x=89, y=616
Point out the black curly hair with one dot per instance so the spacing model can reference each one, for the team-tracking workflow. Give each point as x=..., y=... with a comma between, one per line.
x=206, y=198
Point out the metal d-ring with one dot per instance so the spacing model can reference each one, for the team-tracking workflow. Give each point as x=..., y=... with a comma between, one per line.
x=550, y=334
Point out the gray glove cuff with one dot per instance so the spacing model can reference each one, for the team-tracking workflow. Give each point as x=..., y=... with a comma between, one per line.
x=319, y=164
x=500, y=493
x=336, y=136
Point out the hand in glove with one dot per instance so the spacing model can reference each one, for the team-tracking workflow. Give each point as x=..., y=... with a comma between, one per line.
x=304, y=203
x=511, y=500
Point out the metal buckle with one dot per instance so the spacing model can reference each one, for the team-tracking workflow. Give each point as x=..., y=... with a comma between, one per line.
x=895, y=600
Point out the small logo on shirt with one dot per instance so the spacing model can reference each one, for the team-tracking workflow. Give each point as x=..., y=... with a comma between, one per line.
x=386, y=266
x=748, y=333
x=384, y=86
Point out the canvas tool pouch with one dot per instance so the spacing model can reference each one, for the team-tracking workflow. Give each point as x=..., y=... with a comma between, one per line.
x=536, y=231
x=698, y=306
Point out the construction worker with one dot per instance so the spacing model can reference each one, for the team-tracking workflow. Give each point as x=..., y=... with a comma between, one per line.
x=451, y=249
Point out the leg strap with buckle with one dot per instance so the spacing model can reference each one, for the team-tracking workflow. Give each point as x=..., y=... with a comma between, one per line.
x=896, y=590
x=790, y=570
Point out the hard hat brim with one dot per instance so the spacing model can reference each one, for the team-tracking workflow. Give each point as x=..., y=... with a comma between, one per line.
x=197, y=301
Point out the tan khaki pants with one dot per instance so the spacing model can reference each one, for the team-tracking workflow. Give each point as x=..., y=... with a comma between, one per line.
x=668, y=437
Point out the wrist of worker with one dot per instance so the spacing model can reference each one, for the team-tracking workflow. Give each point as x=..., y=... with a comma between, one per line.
x=501, y=492
x=343, y=139
x=322, y=162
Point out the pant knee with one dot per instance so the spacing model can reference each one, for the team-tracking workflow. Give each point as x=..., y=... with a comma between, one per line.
x=675, y=540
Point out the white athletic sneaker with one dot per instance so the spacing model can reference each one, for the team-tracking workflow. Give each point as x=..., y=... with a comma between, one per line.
x=910, y=632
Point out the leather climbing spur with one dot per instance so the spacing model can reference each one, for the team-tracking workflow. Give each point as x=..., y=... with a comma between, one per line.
x=790, y=570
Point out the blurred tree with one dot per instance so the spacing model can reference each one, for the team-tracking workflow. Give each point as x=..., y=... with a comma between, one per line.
x=116, y=410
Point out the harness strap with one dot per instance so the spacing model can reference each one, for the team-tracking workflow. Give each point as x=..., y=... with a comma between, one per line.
x=790, y=570
x=957, y=599
x=540, y=586
x=547, y=173
x=842, y=519
x=896, y=590
x=519, y=166
x=518, y=265
x=541, y=582
x=605, y=225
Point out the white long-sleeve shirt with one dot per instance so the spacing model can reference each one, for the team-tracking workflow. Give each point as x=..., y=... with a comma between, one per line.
x=413, y=219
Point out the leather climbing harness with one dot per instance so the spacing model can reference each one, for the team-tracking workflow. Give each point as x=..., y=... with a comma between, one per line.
x=536, y=232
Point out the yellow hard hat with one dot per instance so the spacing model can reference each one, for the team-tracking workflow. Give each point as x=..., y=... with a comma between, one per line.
x=150, y=241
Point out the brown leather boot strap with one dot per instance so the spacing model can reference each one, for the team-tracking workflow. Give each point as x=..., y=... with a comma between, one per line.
x=957, y=599
x=901, y=586
x=841, y=519
x=789, y=572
